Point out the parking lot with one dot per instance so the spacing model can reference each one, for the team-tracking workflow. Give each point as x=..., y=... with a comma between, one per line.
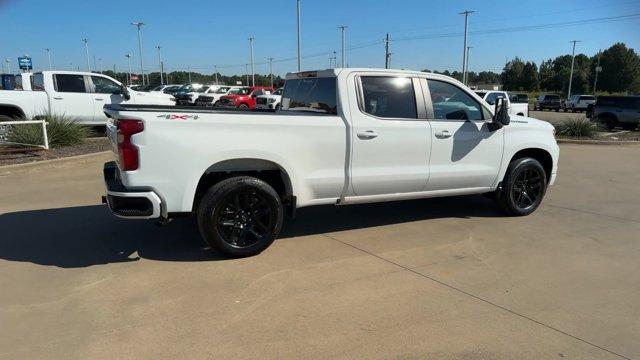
x=437, y=278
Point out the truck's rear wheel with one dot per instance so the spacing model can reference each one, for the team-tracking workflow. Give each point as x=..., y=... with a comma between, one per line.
x=240, y=216
x=523, y=187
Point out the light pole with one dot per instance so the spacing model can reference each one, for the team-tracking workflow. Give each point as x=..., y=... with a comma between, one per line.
x=48, y=50
x=215, y=72
x=271, y=69
x=128, y=56
x=598, y=69
x=335, y=59
x=344, y=55
x=464, y=48
x=86, y=48
x=139, y=24
x=466, y=65
x=573, y=57
x=246, y=72
x=100, y=66
x=330, y=61
x=8, y=61
x=298, y=13
x=189, y=70
x=253, y=75
x=160, y=62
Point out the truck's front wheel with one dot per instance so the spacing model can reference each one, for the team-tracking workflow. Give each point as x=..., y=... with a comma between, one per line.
x=240, y=216
x=523, y=187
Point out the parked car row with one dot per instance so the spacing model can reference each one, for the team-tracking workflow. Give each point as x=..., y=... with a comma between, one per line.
x=517, y=104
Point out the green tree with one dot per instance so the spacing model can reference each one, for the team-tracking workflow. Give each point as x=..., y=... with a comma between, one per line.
x=546, y=75
x=620, y=69
x=529, y=79
x=511, y=76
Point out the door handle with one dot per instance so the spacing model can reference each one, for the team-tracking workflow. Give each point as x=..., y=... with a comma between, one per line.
x=99, y=99
x=367, y=135
x=58, y=97
x=443, y=134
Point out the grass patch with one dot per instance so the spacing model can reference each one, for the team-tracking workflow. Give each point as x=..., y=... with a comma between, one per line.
x=578, y=128
x=61, y=131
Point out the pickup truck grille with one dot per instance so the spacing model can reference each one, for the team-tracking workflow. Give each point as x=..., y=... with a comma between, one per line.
x=205, y=99
x=261, y=101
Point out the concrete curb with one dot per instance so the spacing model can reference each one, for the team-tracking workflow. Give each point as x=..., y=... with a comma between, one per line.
x=47, y=164
x=598, y=142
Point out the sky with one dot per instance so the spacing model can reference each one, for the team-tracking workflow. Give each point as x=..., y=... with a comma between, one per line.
x=197, y=35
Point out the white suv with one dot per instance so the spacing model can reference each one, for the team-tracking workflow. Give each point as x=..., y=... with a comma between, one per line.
x=578, y=102
x=269, y=101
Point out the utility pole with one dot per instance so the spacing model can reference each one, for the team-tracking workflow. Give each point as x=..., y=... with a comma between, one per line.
x=464, y=48
x=215, y=73
x=128, y=56
x=598, y=69
x=100, y=62
x=298, y=13
x=573, y=57
x=189, y=70
x=246, y=72
x=253, y=75
x=271, y=70
x=48, y=50
x=335, y=59
x=387, y=54
x=86, y=48
x=160, y=62
x=466, y=66
x=139, y=24
x=344, y=55
x=330, y=61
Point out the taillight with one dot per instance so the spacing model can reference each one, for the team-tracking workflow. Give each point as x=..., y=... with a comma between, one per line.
x=128, y=152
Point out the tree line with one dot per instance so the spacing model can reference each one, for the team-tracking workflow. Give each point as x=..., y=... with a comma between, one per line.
x=620, y=73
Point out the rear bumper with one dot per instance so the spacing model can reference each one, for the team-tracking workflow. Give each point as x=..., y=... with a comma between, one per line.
x=127, y=203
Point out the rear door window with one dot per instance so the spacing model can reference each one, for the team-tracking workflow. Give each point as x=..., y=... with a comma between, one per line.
x=389, y=97
x=311, y=94
x=103, y=85
x=70, y=83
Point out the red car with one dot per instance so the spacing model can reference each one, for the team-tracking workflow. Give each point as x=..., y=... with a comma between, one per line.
x=245, y=97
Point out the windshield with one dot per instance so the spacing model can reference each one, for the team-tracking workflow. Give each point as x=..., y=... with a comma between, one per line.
x=278, y=92
x=240, y=91
x=203, y=89
x=222, y=90
x=158, y=88
x=481, y=93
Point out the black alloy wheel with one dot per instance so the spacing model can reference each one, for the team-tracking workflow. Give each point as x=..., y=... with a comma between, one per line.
x=244, y=218
x=523, y=187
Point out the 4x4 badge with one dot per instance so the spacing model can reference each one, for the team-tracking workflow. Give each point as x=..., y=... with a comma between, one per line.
x=178, y=117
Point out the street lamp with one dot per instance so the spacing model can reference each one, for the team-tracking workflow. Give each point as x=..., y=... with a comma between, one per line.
x=344, y=55
x=160, y=62
x=139, y=24
x=86, y=48
x=298, y=13
x=48, y=50
x=573, y=57
x=128, y=56
x=253, y=75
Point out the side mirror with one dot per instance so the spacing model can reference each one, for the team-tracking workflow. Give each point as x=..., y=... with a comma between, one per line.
x=501, y=113
x=125, y=93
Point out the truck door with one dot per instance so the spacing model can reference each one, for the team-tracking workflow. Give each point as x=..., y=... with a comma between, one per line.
x=391, y=138
x=105, y=91
x=466, y=151
x=71, y=97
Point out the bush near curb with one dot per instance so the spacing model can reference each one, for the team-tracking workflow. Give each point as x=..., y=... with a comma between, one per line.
x=61, y=131
x=578, y=128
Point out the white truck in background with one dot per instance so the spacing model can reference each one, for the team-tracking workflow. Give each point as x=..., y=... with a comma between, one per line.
x=491, y=96
x=78, y=95
x=342, y=136
x=269, y=101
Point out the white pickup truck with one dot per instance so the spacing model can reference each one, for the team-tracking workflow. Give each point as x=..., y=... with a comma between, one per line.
x=342, y=136
x=78, y=95
x=491, y=96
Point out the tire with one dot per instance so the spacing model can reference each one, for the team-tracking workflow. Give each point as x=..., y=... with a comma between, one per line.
x=558, y=109
x=240, y=216
x=523, y=187
x=216, y=104
x=607, y=122
x=243, y=106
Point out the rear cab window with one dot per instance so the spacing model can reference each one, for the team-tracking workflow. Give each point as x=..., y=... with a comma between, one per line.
x=311, y=94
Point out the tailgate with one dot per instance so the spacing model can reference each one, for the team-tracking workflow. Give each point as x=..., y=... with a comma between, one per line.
x=112, y=135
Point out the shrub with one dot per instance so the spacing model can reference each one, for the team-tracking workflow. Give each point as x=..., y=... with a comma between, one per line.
x=576, y=128
x=61, y=131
